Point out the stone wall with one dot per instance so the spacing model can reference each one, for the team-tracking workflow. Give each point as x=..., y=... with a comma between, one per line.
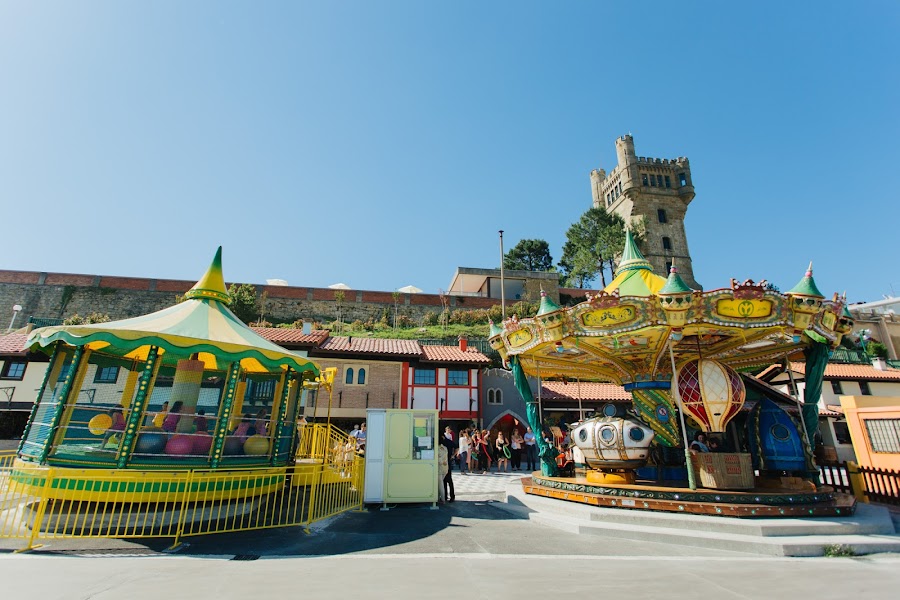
x=61, y=295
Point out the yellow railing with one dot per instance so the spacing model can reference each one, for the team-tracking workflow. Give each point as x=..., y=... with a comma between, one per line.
x=318, y=441
x=39, y=503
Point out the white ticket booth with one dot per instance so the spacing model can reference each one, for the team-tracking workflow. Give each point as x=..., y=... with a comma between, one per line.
x=401, y=456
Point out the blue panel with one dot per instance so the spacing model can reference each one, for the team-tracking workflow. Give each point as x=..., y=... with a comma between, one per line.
x=775, y=441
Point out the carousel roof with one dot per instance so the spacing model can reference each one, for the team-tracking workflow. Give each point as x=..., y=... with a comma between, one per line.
x=623, y=334
x=202, y=324
x=634, y=275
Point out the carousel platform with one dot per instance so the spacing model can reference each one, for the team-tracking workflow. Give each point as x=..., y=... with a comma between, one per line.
x=863, y=528
x=677, y=497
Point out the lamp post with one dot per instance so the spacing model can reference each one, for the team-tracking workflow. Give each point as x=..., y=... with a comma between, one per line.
x=863, y=333
x=16, y=309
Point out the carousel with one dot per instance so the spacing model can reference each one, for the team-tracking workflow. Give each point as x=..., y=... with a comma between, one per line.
x=682, y=353
x=128, y=407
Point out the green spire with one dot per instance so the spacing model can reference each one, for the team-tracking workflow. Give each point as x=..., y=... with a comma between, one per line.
x=674, y=284
x=212, y=285
x=547, y=305
x=806, y=286
x=632, y=259
x=495, y=330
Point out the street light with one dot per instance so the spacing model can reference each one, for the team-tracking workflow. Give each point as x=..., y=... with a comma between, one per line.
x=863, y=334
x=16, y=309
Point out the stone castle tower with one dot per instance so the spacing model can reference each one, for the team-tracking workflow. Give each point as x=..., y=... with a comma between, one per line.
x=657, y=189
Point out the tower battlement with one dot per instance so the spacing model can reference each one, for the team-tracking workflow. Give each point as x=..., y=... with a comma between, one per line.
x=657, y=190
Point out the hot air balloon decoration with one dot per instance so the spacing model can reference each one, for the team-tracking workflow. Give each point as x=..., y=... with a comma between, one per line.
x=711, y=393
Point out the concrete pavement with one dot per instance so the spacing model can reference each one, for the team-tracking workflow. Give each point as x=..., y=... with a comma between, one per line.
x=474, y=547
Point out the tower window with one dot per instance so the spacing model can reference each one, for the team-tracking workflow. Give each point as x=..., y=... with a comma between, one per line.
x=653, y=181
x=667, y=244
x=644, y=179
x=682, y=179
x=668, y=182
x=661, y=215
x=668, y=266
x=617, y=192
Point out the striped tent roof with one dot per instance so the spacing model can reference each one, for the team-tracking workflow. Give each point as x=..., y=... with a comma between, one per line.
x=202, y=324
x=634, y=275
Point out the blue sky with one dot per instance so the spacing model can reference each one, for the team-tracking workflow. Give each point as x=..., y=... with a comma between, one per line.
x=382, y=144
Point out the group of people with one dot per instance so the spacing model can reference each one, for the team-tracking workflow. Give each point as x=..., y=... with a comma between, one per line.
x=168, y=417
x=478, y=451
x=703, y=444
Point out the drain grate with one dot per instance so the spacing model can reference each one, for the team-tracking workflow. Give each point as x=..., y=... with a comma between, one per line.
x=245, y=557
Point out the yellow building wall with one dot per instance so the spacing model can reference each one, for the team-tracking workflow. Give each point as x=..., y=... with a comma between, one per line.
x=857, y=409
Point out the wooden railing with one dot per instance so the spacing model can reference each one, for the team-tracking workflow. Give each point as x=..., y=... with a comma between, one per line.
x=879, y=485
x=835, y=474
x=882, y=485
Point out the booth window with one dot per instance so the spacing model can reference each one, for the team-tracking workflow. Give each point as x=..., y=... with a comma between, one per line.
x=424, y=377
x=13, y=369
x=106, y=375
x=884, y=435
x=457, y=377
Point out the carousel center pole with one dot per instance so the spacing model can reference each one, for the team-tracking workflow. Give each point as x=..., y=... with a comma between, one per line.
x=692, y=483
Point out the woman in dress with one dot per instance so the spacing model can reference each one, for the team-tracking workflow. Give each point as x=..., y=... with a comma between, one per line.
x=502, y=453
x=464, y=452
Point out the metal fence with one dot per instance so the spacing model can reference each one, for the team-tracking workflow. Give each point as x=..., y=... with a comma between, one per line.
x=847, y=355
x=40, y=503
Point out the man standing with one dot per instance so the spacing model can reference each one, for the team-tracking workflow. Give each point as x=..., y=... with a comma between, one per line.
x=361, y=438
x=530, y=449
x=447, y=483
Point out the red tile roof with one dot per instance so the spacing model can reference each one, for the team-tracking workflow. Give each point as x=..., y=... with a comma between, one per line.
x=367, y=345
x=282, y=335
x=13, y=343
x=850, y=372
x=557, y=390
x=452, y=354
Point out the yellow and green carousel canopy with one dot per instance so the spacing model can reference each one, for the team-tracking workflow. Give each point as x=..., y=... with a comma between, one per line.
x=201, y=324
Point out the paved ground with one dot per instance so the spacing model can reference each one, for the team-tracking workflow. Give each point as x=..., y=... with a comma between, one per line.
x=472, y=548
